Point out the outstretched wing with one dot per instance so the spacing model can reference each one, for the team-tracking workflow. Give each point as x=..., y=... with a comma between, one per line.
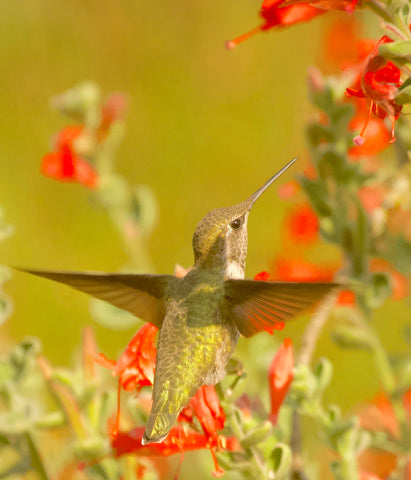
x=255, y=306
x=141, y=295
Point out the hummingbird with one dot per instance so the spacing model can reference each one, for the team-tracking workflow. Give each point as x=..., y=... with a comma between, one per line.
x=201, y=315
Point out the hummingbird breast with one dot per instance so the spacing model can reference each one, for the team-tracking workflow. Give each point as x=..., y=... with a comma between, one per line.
x=195, y=344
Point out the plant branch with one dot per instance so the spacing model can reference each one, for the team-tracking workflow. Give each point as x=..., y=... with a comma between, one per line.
x=308, y=343
x=312, y=332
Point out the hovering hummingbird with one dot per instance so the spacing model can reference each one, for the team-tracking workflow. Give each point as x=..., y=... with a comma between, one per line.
x=200, y=316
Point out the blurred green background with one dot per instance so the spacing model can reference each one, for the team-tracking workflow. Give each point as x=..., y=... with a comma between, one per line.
x=206, y=127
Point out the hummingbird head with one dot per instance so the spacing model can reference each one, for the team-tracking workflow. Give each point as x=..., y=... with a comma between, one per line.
x=220, y=238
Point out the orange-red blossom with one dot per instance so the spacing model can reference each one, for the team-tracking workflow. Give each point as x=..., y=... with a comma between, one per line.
x=64, y=164
x=282, y=13
x=280, y=376
x=135, y=369
x=380, y=81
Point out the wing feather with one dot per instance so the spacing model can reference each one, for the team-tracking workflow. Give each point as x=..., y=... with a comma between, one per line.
x=141, y=295
x=255, y=306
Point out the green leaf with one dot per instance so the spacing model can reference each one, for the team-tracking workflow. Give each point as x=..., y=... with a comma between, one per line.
x=23, y=354
x=114, y=193
x=280, y=460
x=36, y=460
x=90, y=448
x=234, y=366
x=332, y=163
x=317, y=134
x=324, y=99
x=317, y=194
x=348, y=333
x=6, y=308
x=338, y=431
x=14, y=422
x=404, y=95
x=351, y=336
x=334, y=413
x=51, y=420
x=256, y=435
x=378, y=290
x=304, y=383
x=340, y=116
x=356, y=241
x=396, y=50
x=144, y=208
x=323, y=372
x=80, y=102
x=363, y=441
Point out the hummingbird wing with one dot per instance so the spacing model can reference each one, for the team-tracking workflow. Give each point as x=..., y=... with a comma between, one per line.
x=256, y=306
x=141, y=295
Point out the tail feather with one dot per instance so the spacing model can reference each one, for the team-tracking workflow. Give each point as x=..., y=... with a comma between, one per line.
x=158, y=427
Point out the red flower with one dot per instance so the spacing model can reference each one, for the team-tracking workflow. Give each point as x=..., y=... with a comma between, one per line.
x=275, y=15
x=378, y=136
x=346, y=298
x=280, y=376
x=379, y=415
x=301, y=225
x=341, y=43
x=205, y=405
x=64, y=164
x=136, y=364
x=347, y=51
x=380, y=81
x=301, y=270
x=262, y=276
x=179, y=440
x=368, y=476
x=281, y=13
x=371, y=197
x=208, y=410
x=288, y=189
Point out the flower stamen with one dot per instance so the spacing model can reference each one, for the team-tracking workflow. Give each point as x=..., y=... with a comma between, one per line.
x=231, y=44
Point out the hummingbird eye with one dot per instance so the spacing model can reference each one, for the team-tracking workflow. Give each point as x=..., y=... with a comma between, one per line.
x=235, y=224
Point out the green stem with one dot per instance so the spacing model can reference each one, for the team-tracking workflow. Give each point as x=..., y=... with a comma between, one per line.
x=383, y=365
x=36, y=460
x=378, y=8
x=255, y=457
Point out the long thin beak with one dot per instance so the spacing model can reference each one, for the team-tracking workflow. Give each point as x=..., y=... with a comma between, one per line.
x=267, y=184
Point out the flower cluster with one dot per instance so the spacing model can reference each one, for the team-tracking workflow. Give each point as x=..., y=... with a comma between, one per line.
x=135, y=368
x=65, y=164
x=379, y=83
x=77, y=148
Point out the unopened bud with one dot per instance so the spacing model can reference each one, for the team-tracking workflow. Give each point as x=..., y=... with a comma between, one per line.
x=256, y=435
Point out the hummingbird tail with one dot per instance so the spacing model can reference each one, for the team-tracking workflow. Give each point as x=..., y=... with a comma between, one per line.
x=158, y=427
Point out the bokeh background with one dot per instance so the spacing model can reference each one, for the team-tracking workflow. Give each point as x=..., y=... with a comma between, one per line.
x=206, y=127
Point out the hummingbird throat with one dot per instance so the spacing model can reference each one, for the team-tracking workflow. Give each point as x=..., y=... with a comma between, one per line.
x=235, y=253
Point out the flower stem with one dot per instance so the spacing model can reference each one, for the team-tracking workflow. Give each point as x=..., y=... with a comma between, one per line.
x=379, y=8
x=36, y=460
x=308, y=343
x=312, y=332
x=383, y=366
x=252, y=451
